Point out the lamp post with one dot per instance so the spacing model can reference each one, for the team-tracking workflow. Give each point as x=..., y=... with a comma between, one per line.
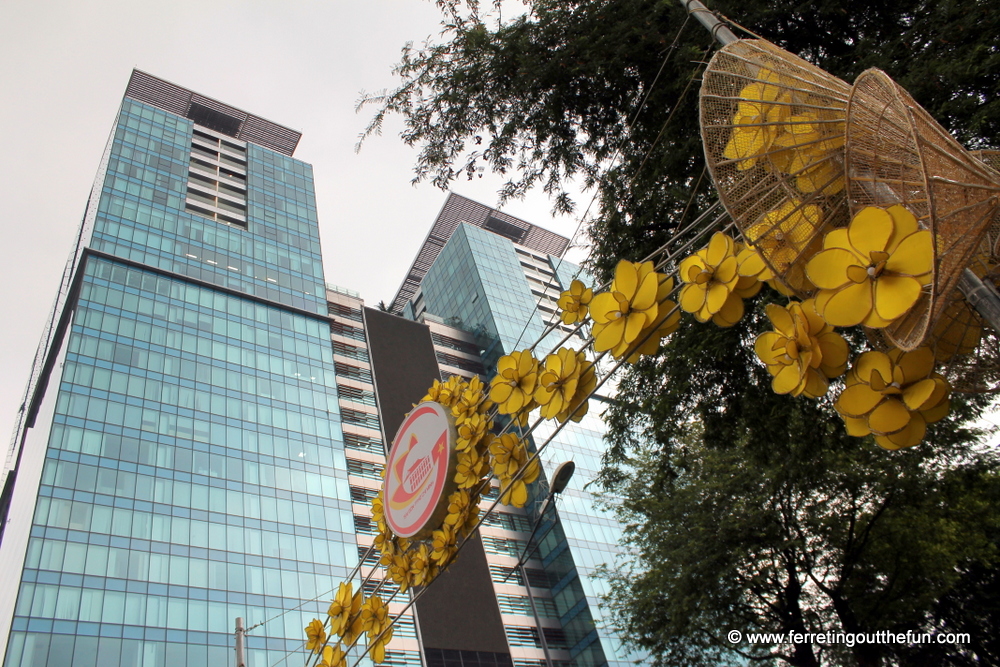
x=559, y=481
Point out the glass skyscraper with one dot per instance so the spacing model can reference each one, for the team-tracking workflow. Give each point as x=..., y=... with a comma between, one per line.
x=499, y=277
x=179, y=459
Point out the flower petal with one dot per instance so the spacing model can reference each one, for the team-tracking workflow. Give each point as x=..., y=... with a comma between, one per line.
x=908, y=437
x=905, y=224
x=720, y=246
x=890, y=416
x=848, y=306
x=857, y=401
x=787, y=379
x=917, y=396
x=913, y=366
x=894, y=295
x=914, y=256
x=870, y=230
x=717, y=295
x=828, y=268
x=626, y=278
x=692, y=298
x=781, y=319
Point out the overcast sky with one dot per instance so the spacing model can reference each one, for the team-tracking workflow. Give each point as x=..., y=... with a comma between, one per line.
x=64, y=65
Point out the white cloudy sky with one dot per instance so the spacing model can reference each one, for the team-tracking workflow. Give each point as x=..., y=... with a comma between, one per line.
x=64, y=65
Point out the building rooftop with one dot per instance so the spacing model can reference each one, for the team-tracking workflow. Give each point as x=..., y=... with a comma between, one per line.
x=458, y=209
x=211, y=113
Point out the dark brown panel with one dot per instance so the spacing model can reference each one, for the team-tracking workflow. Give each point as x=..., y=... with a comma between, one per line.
x=459, y=611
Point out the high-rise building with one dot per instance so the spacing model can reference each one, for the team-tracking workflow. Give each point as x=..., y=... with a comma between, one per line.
x=179, y=459
x=499, y=278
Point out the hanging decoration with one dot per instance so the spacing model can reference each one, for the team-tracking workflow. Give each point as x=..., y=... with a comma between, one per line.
x=897, y=154
x=773, y=132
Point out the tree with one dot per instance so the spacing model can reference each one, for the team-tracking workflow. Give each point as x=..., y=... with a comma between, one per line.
x=818, y=524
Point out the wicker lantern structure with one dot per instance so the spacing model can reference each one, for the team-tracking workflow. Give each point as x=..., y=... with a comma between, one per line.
x=896, y=153
x=773, y=129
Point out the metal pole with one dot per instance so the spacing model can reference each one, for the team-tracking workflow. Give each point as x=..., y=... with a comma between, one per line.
x=981, y=296
x=240, y=633
x=534, y=612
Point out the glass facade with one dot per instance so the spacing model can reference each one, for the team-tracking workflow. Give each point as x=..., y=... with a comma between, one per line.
x=194, y=469
x=483, y=283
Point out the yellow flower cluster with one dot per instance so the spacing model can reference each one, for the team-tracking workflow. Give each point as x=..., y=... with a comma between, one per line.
x=873, y=271
x=714, y=289
x=796, y=139
x=802, y=351
x=634, y=315
x=893, y=396
x=509, y=455
x=349, y=617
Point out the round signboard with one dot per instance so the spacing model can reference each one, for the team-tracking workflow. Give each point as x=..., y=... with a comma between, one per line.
x=419, y=474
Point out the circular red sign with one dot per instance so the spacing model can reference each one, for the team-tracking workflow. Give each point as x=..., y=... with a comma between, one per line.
x=418, y=471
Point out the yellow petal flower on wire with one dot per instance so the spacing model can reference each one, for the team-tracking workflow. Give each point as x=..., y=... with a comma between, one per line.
x=470, y=466
x=315, y=636
x=443, y=545
x=874, y=271
x=377, y=649
x=333, y=656
x=893, y=396
x=513, y=386
x=711, y=276
x=751, y=264
x=558, y=378
x=628, y=307
x=341, y=609
x=374, y=616
x=587, y=383
x=802, y=351
x=399, y=571
x=420, y=565
x=783, y=237
x=515, y=492
x=574, y=302
x=752, y=133
x=471, y=430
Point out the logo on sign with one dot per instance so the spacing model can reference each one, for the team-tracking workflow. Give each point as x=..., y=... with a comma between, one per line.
x=419, y=470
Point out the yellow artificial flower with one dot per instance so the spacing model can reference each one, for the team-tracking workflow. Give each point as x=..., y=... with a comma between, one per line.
x=333, y=656
x=509, y=456
x=578, y=406
x=446, y=393
x=458, y=506
x=344, y=605
x=874, y=271
x=513, y=386
x=574, y=301
x=377, y=649
x=469, y=468
x=750, y=264
x=808, y=143
x=558, y=380
x=420, y=566
x=754, y=128
x=785, y=239
x=893, y=396
x=802, y=351
x=714, y=289
x=470, y=400
x=385, y=543
x=628, y=308
x=378, y=511
x=443, y=545
x=399, y=571
x=471, y=431
x=315, y=635
x=374, y=616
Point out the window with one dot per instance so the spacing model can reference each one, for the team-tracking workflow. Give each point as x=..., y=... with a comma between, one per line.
x=217, y=182
x=508, y=521
x=365, y=469
x=363, y=443
x=362, y=496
